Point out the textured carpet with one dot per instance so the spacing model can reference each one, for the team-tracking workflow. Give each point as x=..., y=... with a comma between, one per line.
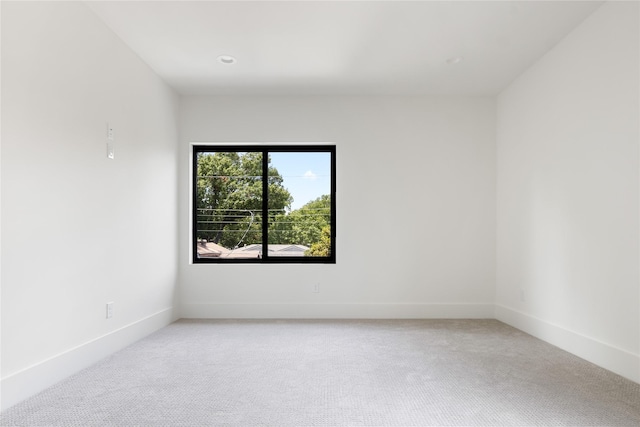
x=336, y=373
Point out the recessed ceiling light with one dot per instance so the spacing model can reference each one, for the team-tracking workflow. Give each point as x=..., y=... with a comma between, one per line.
x=226, y=59
x=454, y=60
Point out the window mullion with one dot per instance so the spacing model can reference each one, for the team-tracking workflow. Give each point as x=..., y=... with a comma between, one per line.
x=265, y=204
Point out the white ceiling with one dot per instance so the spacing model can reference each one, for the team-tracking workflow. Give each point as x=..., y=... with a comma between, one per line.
x=341, y=47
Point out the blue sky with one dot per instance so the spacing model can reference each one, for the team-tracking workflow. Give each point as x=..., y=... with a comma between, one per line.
x=307, y=176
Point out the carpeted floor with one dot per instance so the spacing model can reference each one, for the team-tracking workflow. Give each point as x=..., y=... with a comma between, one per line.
x=336, y=373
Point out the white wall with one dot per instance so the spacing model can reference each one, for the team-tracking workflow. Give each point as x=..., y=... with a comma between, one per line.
x=79, y=230
x=415, y=208
x=568, y=194
x=0, y=205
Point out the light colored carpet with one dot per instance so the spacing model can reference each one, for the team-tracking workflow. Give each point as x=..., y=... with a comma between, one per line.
x=336, y=373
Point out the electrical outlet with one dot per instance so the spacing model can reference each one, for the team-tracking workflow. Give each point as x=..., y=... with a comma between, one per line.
x=316, y=287
x=110, y=142
x=109, y=310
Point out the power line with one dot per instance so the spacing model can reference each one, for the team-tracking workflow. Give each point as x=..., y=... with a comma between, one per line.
x=258, y=210
x=260, y=176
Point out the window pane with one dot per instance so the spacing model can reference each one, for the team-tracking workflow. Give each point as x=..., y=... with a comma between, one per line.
x=263, y=204
x=301, y=227
x=229, y=205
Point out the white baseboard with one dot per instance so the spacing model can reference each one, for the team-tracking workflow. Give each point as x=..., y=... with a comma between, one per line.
x=29, y=381
x=336, y=311
x=619, y=361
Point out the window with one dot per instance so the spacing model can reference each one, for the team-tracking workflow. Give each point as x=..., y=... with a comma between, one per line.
x=264, y=204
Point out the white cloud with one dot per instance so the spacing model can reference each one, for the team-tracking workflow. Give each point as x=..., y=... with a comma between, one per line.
x=310, y=175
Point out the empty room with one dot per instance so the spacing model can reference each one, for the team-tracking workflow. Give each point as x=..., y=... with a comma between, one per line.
x=320, y=213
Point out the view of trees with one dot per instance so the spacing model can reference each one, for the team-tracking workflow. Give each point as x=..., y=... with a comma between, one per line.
x=302, y=226
x=229, y=205
x=322, y=247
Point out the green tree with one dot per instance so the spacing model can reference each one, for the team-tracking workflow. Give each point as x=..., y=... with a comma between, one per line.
x=302, y=226
x=229, y=197
x=322, y=247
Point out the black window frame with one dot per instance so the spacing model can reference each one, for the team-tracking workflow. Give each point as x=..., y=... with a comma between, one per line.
x=265, y=149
